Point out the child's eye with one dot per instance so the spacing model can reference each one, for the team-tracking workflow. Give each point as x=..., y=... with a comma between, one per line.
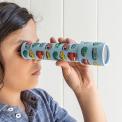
x=18, y=50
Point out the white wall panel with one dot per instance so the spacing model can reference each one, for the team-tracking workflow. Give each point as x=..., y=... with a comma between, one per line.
x=80, y=24
x=110, y=77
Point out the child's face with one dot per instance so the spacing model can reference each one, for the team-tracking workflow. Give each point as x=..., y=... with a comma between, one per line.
x=18, y=71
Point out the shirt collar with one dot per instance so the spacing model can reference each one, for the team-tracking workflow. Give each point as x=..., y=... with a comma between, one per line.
x=28, y=97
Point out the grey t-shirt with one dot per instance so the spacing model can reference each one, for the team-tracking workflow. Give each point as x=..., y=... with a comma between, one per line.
x=39, y=106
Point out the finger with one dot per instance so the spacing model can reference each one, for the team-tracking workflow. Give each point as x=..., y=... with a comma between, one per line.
x=74, y=64
x=65, y=66
x=60, y=39
x=71, y=41
x=62, y=64
x=68, y=40
x=84, y=66
x=85, y=61
x=52, y=40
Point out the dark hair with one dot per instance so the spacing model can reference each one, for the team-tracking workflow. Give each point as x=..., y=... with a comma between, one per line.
x=12, y=18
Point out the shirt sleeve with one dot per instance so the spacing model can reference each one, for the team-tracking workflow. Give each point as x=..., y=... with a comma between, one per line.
x=60, y=114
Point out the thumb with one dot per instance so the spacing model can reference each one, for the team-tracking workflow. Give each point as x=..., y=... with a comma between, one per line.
x=65, y=67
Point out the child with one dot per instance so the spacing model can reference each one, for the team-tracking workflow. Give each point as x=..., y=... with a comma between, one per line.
x=20, y=101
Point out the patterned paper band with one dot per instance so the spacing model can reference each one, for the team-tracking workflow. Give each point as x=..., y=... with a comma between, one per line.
x=96, y=53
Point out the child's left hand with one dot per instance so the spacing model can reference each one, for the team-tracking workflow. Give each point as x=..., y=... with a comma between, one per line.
x=78, y=76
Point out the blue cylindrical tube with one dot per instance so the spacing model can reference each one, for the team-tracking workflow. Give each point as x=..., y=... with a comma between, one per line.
x=95, y=53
